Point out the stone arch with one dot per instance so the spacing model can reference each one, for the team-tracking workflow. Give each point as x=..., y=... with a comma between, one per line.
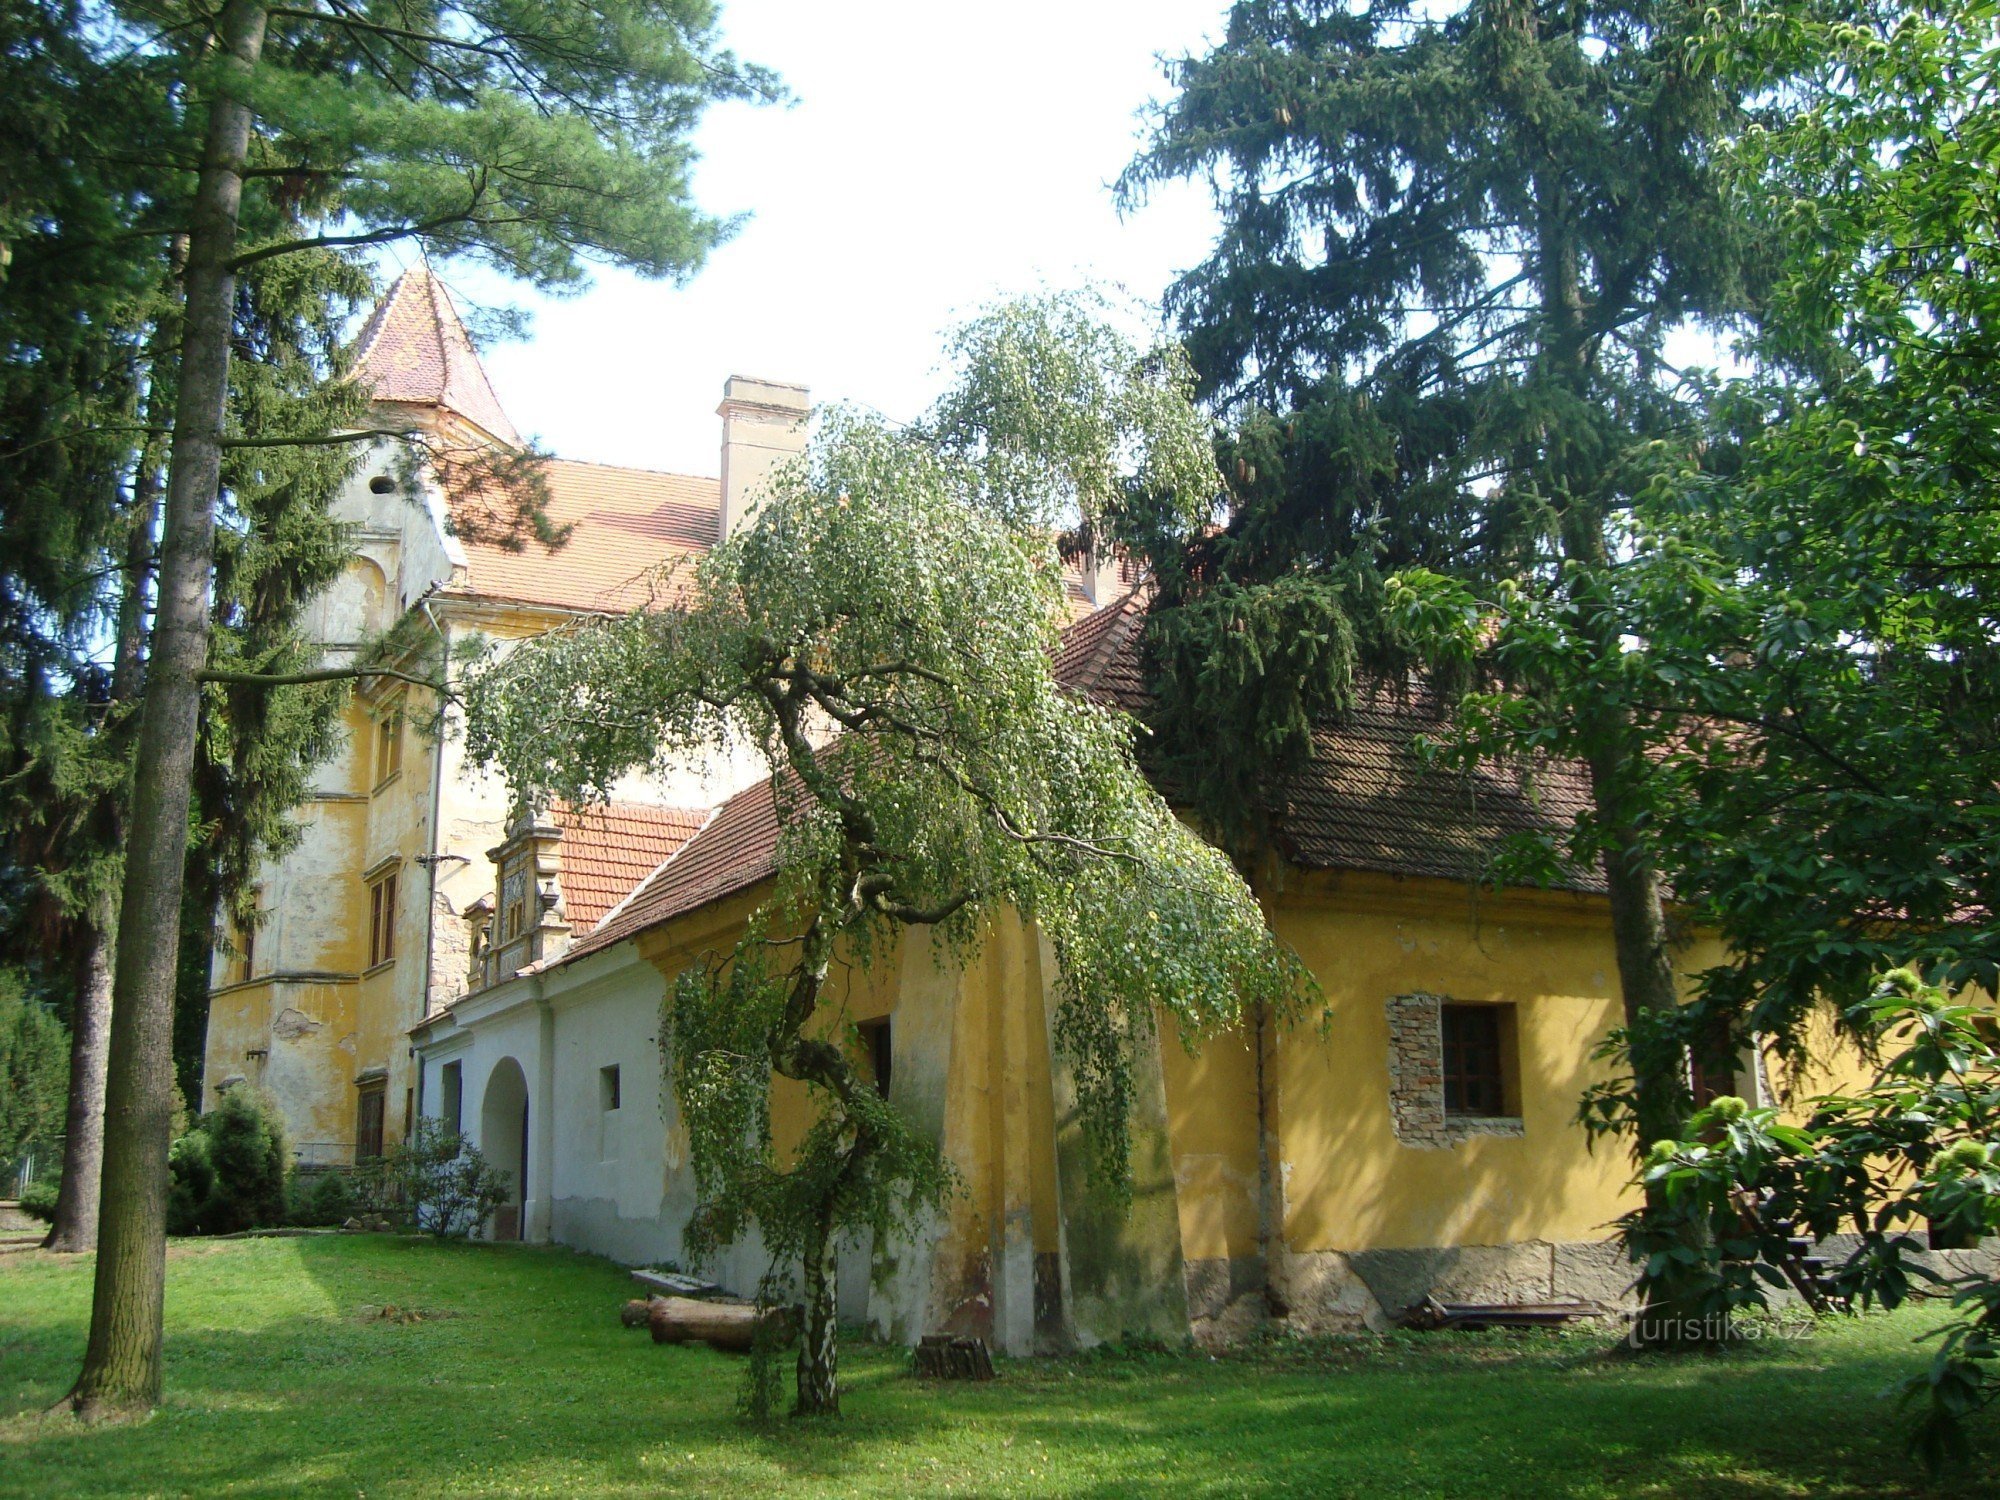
x=503, y=1140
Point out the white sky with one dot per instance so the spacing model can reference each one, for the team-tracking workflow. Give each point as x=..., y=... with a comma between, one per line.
x=939, y=156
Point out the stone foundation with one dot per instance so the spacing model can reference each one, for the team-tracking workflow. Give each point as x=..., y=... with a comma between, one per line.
x=1356, y=1291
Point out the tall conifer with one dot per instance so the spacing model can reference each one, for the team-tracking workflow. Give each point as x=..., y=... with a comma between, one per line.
x=532, y=135
x=1453, y=247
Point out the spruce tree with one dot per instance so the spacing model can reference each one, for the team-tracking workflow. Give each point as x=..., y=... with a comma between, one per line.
x=1453, y=247
x=534, y=136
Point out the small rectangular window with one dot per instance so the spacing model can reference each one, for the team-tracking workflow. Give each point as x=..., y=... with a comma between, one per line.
x=382, y=920
x=607, y=1087
x=1475, y=1078
x=388, y=743
x=876, y=1042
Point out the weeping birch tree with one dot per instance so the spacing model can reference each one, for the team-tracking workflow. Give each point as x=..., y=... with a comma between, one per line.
x=884, y=631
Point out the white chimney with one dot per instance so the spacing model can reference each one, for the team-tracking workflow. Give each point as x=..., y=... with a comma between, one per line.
x=763, y=424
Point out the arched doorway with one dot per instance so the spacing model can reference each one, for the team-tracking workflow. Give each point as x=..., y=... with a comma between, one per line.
x=503, y=1139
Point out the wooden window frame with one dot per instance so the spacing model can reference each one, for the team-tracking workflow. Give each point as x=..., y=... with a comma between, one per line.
x=1473, y=1061
x=383, y=894
x=388, y=742
x=451, y=1086
x=370, y=1137
x=513, y=915
x=246, y=941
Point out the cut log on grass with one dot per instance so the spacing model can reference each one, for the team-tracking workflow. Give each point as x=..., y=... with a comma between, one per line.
x=722, y=1325
x=634, y=1314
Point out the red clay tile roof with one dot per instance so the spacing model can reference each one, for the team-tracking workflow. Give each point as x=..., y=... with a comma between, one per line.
x=735, y=849
x=1098, y=656
x=608, y=848
x=626, y=526
x=1366, y=802
x=414, y=348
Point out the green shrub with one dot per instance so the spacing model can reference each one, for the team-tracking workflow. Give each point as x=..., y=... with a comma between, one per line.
x=229, y=1170
x=34, y=1070
x=190, y=1184
x=319, y=1199
x=38, y=1200
x=438, y=1183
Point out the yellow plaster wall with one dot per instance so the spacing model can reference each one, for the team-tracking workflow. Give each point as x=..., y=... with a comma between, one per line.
x=1212, y=1120
x=1343, y=1180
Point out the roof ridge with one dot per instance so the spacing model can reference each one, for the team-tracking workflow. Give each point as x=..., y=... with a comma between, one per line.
x=598, y=463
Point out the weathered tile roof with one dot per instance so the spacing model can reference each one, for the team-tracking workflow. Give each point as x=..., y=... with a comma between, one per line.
x=1367, y=801
x=414, y=349
x=609, y=848
x=735, y=849
x=627, y=527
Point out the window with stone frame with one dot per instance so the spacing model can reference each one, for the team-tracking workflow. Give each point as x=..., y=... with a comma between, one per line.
x=515, y=890
x=1453, y=1070
x=246, y=939
x=369, y=1118
x=879, y=1047
x=451, y=1084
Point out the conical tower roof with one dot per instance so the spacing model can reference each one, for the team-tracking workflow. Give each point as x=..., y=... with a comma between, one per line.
x=414, y=349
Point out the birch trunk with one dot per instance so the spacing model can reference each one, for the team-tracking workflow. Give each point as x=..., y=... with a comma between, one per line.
x=819, y=1347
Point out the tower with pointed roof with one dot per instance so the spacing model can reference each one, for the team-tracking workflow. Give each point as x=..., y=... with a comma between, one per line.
x=370, y=924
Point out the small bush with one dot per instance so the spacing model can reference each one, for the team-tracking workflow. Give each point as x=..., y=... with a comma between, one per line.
x=38, y=1200
x=34, y=1070
x=438, y=1183
x=229, y=1169
x=320, y=1199
x=190, y=1184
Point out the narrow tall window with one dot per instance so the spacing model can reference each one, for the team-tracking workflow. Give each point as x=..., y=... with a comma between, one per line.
x=389, y=743
x=246, y=940
x=881, y=1052
x=1474, y=1067
x=607, y=1088
x=452, y=1085
x=382, y=920
x=368, y=1122
x=514, y=886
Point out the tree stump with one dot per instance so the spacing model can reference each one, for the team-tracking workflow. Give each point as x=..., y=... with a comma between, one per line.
x=939, y=1356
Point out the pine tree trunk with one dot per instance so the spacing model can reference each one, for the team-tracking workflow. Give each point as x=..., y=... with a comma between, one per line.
x=1672, y=1315
x=819, y=1348
x=74, y=1227
x=1646, y=979
x=122, y=1365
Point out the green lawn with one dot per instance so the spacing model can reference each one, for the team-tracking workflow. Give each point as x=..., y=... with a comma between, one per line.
x=284, y=1378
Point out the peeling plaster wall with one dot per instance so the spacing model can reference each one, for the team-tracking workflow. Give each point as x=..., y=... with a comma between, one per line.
x=433, y=820
x=1269, y=1182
